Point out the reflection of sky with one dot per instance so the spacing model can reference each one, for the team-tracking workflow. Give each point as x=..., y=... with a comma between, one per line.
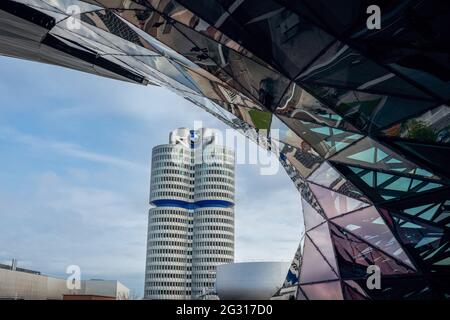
x=74, y=168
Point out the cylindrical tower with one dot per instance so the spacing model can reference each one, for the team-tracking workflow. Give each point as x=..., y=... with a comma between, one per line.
x=191, y=224
x=213, y=233
x=169, y=244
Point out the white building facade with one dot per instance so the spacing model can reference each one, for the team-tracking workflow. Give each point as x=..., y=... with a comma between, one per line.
x=191, y=223
x=20, y=285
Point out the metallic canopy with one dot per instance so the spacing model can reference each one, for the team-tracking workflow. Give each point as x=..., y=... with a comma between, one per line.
x=363, y=114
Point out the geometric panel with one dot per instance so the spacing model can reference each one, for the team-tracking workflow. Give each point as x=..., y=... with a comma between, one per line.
x=401, y=288
x=320, y=236
x=335, y=204
x=281, y=132
x=311, y=217
x=303, y=158
x=432, y=126
x=314, y=267
x=323, y=291
x=435, y=212
x=428, y=244
x=299, y=104
x=368, y=112
x=300, y=294
x=381, y=186
x=352, y=291
x=328, y=177
x=370, y=154
x=369, y=226
x=434, y=155
x=354, y=256
x=293, y=272
x=325, y=140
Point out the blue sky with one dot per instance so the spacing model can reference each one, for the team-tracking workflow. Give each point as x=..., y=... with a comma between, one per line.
x=75, y=169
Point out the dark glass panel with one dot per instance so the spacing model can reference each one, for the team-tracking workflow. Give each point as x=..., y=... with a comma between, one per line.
x=368, y=225
x=194, y=79
x=354, y=256
x=220, y=18
x=414, y=44
x=353, y=291
x=299, y=104
x=368, y=111
x=237, y=70
x=438, y=213
x=431, y=127
x=264, y=84
x=346, y=67
x=369, y=153
x=295, y=41
x=403, y=288
x=428, y=244
x=343, y=16
x=179, y=13
x=275, y=34
x=435, y=156
x=380, y=186
x=156, y=26
x=325, y=140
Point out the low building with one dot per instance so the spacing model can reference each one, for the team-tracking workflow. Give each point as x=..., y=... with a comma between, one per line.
x=23, y=284
x=86, y=297
x=250, y=280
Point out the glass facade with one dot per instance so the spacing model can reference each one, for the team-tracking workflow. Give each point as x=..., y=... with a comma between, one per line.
x=363, y=114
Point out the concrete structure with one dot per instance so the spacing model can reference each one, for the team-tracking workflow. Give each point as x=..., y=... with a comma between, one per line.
x=191, y=226
x=29, y=285
x=250, y=280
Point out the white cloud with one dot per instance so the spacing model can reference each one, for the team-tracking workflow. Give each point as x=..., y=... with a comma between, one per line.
x=67, y=149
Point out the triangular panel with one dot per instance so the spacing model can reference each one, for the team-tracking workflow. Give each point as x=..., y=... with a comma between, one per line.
x=323, y=291
x=425, y=242
x=329, y=177
x=320, y=236
x=354, y=256
x=314, y=268
x=368, y=225
x=381, y=186
x=371, y=154
x=353, y=291
x=311, y=217
x=335, y=204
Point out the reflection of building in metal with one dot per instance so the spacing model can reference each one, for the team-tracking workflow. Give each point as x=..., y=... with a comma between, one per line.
x=191, y=226
x=353, y=106
x=250, y=280
x=23, y=284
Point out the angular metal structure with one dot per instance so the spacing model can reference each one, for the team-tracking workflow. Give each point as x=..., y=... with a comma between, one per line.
x=363, y=114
